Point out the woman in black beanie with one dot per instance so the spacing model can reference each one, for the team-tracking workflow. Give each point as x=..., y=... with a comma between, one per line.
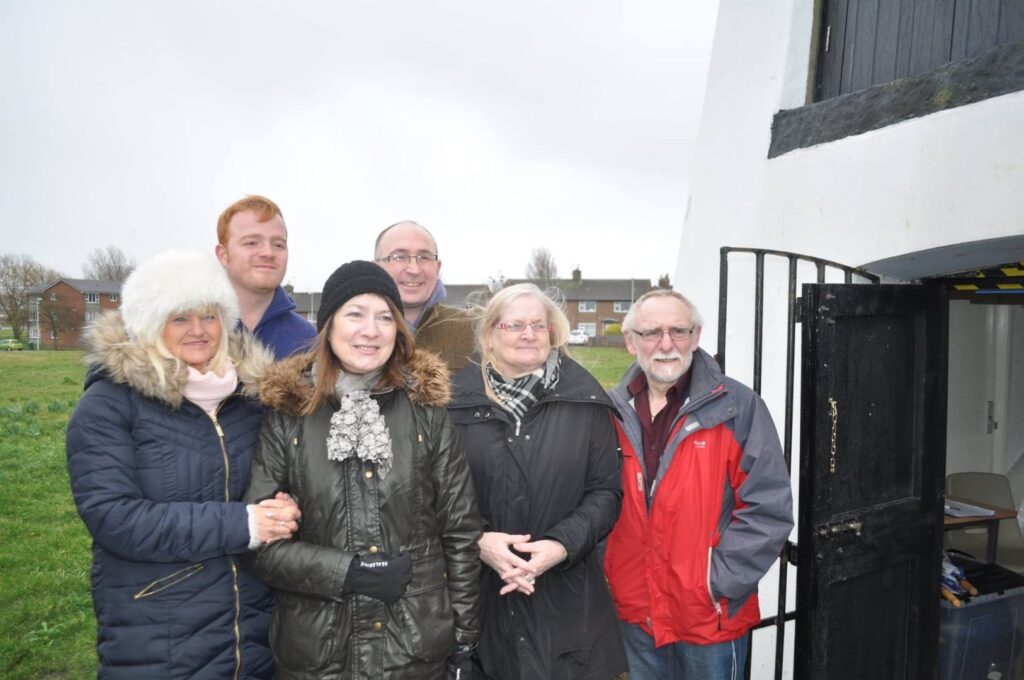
x=381, y=580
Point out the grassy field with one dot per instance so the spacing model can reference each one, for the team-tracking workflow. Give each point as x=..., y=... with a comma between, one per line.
x=607, y=364
x=47, y=629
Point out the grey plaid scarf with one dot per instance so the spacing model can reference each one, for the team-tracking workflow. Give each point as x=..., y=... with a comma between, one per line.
x=518, y=395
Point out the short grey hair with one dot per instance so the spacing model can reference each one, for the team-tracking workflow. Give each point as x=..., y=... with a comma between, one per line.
x=695, y=315
x=558, y=333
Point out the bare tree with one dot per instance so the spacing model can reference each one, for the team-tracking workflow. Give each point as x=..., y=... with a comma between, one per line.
x=108, y=264
x=663, y=281
x=542, y=268
x=58, y=315
x=496, y=283
x=18, y=273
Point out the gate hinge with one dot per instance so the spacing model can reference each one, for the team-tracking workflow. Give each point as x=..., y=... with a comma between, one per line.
x=790, y=551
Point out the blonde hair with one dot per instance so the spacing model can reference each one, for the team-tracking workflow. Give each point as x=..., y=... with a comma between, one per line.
x=159, y=355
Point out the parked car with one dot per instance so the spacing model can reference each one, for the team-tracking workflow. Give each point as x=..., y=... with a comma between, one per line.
x=10, y=344
x=578, y=337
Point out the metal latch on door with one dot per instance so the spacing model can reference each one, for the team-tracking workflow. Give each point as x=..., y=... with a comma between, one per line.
x=841, y=528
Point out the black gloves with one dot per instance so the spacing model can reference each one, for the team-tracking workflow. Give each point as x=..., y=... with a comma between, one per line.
x=460, y=664
x=383, y=578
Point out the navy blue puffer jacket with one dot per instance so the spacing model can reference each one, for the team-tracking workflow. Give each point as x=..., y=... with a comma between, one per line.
x=158, y=483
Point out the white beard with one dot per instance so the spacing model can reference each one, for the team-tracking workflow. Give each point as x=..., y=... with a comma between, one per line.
x=667, y=374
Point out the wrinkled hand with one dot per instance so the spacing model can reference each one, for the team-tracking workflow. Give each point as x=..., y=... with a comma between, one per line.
x=543, y=554
x=496, y=552
x=383, y=577
x=277, y=518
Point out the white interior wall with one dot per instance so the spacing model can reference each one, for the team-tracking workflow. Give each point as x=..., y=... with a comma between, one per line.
x=1013, y=422
x=971, y=386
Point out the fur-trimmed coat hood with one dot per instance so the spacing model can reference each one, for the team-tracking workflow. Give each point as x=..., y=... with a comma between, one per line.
x=287, y=384
x=113, y=355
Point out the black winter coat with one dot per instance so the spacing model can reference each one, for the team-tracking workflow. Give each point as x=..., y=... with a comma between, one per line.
x=557, y=478
x=425, y=506
x=157, y=483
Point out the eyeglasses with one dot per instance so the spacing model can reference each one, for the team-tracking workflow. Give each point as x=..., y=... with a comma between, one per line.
x=403, y=258
x=519, y=327
x=655, y=334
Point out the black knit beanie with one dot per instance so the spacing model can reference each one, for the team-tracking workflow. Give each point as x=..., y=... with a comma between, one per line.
x=352, y=279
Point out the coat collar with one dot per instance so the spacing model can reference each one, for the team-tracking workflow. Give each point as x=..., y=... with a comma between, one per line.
x=288, y=383
x=112, y=355
x=706, y=380
x=574, y=384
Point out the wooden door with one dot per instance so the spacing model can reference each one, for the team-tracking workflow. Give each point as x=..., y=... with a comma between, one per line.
x=872, y=461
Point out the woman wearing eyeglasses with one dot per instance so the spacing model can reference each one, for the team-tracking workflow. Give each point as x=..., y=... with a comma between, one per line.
x=538, y=434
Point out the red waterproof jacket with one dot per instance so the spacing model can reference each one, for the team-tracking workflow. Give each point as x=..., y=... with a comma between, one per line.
x=683, y=561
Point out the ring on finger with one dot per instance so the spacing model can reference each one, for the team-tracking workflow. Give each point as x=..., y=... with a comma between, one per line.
x=280, y=523
x=530, y=579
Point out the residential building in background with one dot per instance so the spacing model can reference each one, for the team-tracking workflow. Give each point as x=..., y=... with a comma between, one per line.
x=59, y=311
x=596, y=306
x=306, y=304
x=591, y=305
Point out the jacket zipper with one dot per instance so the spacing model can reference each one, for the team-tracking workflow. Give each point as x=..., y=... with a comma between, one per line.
x=717, y=605
x=231, y=561
x=165, y=582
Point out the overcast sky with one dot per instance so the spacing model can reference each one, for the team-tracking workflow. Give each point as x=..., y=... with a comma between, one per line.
x=502, y=127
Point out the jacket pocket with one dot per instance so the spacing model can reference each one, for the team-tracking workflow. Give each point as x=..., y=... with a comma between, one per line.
x=304, y=632
x=711, y=594
x=428, y=622
x=164, y=582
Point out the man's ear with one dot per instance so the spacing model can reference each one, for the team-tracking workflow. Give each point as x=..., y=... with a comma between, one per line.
x=628, y=337
x=222, y=254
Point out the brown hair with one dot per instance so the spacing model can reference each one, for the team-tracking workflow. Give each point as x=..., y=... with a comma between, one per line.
x=263, y=208
x=327, y=366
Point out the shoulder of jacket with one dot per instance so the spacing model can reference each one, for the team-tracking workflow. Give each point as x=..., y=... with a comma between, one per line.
x=124, y=361
x=284, y=385
x=427, y=380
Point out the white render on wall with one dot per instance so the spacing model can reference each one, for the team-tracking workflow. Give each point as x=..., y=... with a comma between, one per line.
x=945, y=178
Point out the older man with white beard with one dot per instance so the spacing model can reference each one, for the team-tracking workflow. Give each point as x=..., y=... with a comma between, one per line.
x=707, y=502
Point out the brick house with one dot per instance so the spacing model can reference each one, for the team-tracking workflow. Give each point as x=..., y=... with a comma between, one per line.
x=59, y=311
x=592, y=305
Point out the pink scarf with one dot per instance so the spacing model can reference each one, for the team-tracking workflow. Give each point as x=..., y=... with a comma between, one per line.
x=207, y=390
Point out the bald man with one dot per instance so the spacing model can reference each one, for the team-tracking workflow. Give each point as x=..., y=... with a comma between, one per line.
x=409, y=254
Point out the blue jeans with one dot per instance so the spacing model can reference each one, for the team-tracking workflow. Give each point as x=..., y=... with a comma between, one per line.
x=681, y=660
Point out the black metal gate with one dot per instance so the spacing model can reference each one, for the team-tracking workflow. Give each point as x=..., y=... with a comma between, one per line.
x=822, y=269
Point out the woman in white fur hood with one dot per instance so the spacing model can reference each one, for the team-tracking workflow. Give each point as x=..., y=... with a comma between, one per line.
x=159, y=449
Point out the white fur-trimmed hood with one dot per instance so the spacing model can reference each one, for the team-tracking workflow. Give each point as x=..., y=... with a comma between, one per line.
x=123, y=360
